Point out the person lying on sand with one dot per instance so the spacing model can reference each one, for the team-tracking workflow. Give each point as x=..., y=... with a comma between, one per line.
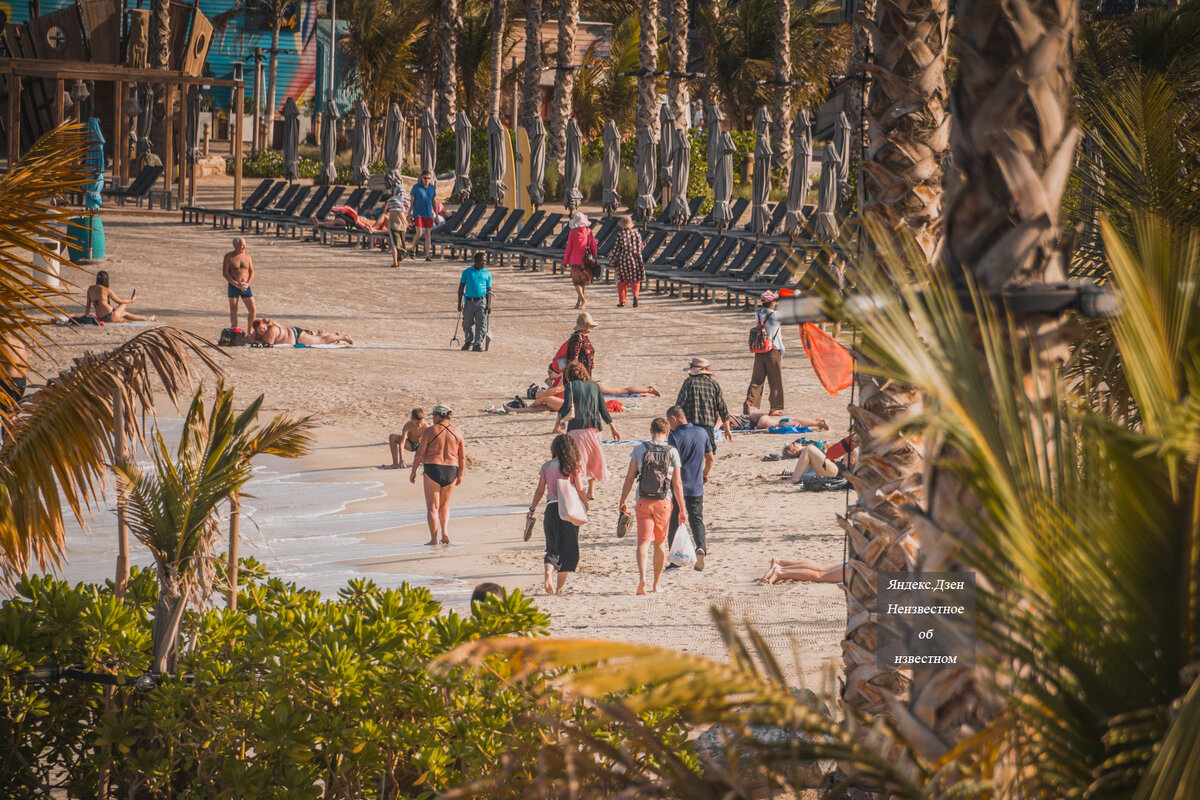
x=409, y=438
x=107, y=306
x=268, y=331
x=757, y=420
x=803, y=570
x=550, y=398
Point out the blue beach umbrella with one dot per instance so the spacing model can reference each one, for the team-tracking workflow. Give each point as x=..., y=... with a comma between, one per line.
x=93, y=162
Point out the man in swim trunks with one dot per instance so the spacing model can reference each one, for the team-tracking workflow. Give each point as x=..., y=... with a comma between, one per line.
x=409, y=438
x=424, y=199
x=268, y=331
x=238, y=269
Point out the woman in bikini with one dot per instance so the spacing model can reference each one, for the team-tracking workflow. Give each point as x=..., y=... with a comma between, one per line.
x=107, y=306
x=444, y=455
x=551, y=398
x=409, y=438
x=268, y=331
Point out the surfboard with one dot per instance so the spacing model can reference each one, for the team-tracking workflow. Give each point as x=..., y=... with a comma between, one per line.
x=510, y=175
x=523, y=166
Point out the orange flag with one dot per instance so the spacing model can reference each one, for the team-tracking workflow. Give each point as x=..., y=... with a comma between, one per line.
x=831, y=361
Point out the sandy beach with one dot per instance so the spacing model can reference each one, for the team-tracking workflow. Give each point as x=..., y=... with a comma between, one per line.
x=402, y=321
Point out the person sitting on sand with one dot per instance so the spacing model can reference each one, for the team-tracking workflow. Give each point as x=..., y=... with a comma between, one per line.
x=443, y=452
x=409, y=438
x=269, y=332
x=831, y=463
x=107, y=307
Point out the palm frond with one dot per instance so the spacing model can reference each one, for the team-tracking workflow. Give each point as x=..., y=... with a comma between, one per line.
x=64, y=440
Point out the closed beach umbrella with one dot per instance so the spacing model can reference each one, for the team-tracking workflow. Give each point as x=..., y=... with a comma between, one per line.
x=841, y=139
x=428, y=141
x=826, y=223
x=666, y=146
x=497, y=160
x=760, y=186
x=462, y=155
x=712, y=121
x=723, y=182
x=762, y=122
x=329, y=142
x=572, y=166
x=643, y=158
x=360, y=159
x=145, y=124
x=393, y=147
x=93, y=165
x=611, y=167
x=536, y=133
x=678, y=211
x=291, y=138
x=801, y=163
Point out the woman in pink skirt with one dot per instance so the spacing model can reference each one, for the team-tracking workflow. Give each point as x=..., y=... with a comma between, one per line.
x=584, y=413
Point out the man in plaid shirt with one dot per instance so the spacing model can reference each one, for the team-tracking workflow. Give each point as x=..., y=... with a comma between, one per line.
x=702, y=401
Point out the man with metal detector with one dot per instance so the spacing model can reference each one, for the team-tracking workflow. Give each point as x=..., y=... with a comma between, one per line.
x=475, y=303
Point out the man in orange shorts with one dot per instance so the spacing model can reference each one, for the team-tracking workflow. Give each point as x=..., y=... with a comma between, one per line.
x=656, y=468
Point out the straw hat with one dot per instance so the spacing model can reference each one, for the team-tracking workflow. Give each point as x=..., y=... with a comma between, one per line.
x=441, y=410
x=584, y=322
x=699, y=366
x=768, y=296
x=580, y=220
x=625, y=222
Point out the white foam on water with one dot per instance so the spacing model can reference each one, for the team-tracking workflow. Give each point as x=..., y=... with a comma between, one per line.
x=297, y=524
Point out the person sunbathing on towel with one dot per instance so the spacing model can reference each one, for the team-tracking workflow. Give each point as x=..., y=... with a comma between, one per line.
x=550, y=397
x=270, y=332
x=757, y=420
x=804, y=569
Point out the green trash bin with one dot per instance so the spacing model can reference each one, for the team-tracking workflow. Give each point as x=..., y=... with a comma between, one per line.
x=87, y=235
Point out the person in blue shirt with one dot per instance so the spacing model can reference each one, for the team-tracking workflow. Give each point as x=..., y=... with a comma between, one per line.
x=697, y=456
x=424, y=201
x=475, y=303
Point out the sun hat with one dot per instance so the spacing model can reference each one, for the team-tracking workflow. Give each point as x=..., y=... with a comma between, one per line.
x=768, y=296
x=584, y=322
x=580, y=220
x=625, y=222
x=441, y=410
x=699, y=366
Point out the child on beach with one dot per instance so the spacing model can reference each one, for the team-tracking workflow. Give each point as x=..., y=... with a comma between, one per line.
x=562, y=538
x=408, y=438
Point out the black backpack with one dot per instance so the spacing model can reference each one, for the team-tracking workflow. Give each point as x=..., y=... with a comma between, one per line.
x=231, y=338
x=654, y=479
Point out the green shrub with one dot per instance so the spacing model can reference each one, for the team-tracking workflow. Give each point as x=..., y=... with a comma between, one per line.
x=289, y=694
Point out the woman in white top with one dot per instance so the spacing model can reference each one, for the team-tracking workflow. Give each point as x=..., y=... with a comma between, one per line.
x=562, y=538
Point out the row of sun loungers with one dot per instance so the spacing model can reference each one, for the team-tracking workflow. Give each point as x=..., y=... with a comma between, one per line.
x=690, y=260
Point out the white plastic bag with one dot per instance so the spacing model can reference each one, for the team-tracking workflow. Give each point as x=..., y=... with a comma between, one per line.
x=683, y=551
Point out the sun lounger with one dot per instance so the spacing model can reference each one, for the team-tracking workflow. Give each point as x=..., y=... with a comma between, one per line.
x=676, y=260
x=322, y=212
x=465, y=238
x=138, y=189
x=461, y=227
x=736, y=209
x=290, y=209
x=789, y=267
x=315, y=200
x=224, y=217
x=198, y=214
x=278, y=206
x=714, y=258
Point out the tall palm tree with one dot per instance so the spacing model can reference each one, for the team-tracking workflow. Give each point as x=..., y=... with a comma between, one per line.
x=498, y=8
x=677, y=59
x=564, y=79
x=901, y=187
x=647, y=64
x=173, y=507
x=160, y=35
x=383, y=48
x=781, y=124
x=708, y=15
x=277, y=12
x=450, y=23
x=57, y=445
x=531, y=88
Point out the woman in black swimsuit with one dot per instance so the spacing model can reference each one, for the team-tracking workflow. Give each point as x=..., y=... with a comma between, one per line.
x=443, y=454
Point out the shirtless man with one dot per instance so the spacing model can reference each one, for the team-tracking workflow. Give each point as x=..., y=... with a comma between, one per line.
x=408, y=438
x=268, y=331
x=107, y=307
x=238, y=269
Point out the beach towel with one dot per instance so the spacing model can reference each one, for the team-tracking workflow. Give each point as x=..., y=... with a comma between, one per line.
x=830, y=360
x=614, y=406
x=784, y=429
x=321, y=346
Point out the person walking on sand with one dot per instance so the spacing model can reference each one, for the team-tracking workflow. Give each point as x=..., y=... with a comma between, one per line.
x=238, y=269
x=696, y=458
x=655, y=467
x=584, y=412
x=580, y=249
x=768, y=360
x=475, y=303
x=444, y=455
x=424, y=199
x=107, y=307
x=703, y=402
x=627, y=261
x=409, y=438
x=562, y=538
x=396, y=212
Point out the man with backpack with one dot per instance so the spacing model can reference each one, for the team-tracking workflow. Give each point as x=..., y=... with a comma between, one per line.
x=766, y=343
x=696, y=459
x=656, y=468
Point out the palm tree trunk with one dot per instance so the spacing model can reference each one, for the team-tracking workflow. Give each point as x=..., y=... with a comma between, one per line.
x=497, y=55
x=782, y=119
x=449, y=24
x=564, y=80
x=168, y=621
x=677, y=56
x=531, y=89
x=710, y=93
x=160, y=34
x=1012, y=147
x=272, y=72
x=647, y=65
